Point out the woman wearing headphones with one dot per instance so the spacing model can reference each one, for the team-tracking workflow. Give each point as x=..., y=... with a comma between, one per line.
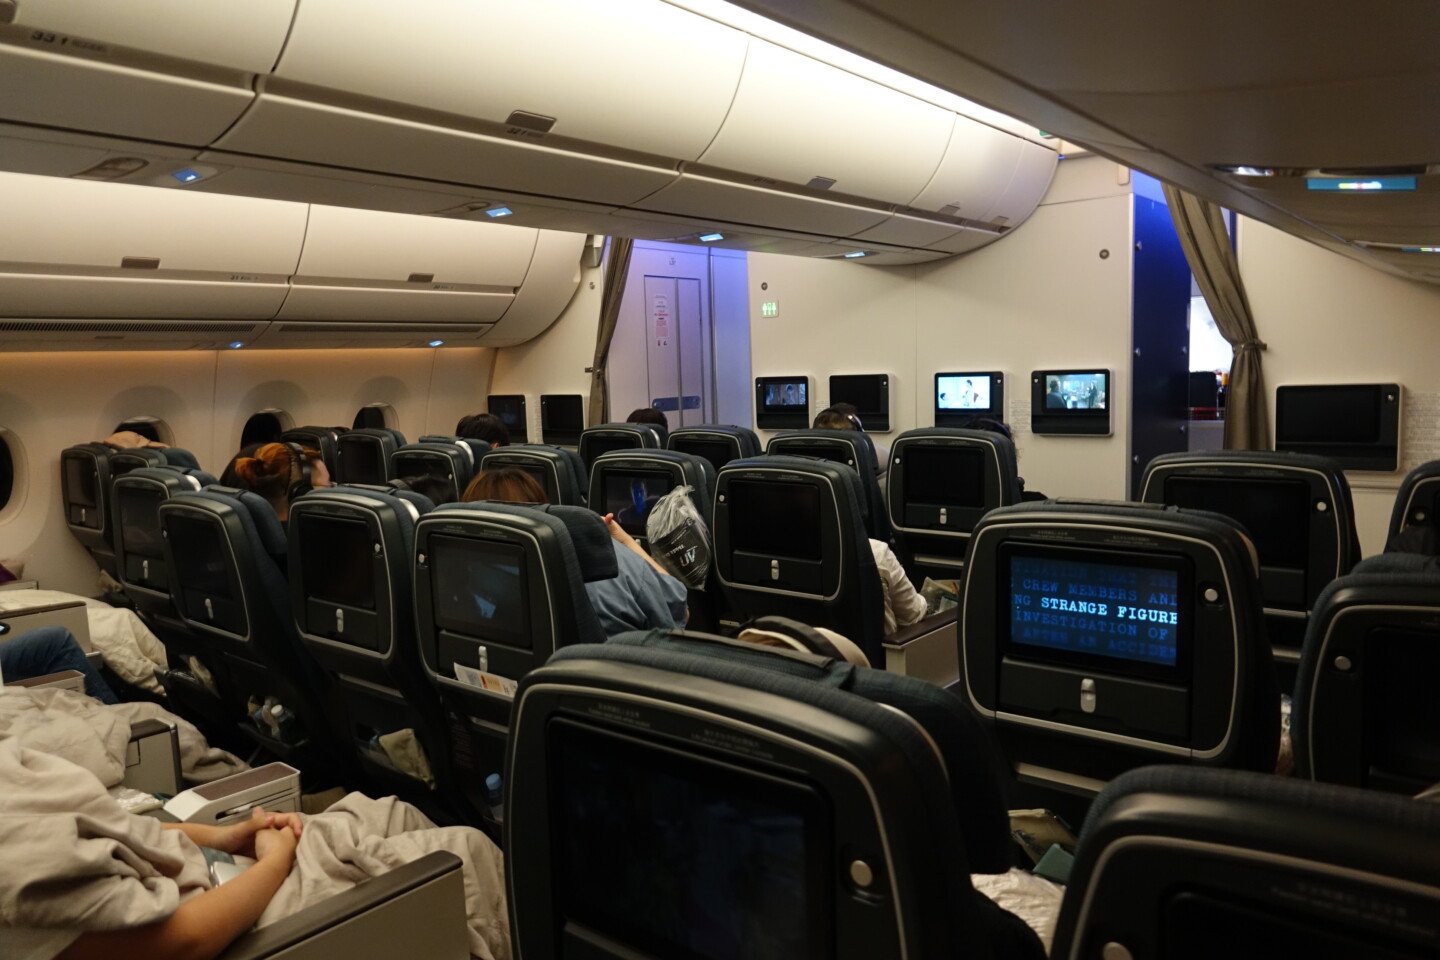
x=279, y=472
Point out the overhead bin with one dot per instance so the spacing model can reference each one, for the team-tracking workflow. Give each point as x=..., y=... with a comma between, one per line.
x=1029, y=180
x=550, y=284
x=154, y=69
x=977, y=167
x=74, y=248
x=756, y=205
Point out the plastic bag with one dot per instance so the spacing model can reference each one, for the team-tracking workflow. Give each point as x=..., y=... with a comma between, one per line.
x=679, y=539
x=940, y=595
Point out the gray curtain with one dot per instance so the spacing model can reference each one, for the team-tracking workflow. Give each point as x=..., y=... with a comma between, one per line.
x=617, y=268
x=1201, y=227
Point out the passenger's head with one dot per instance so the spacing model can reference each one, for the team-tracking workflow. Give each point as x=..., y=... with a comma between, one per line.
x=990, y=424
x=1054, y=386
x=506, y=484
x=484, y=426
x=276, y=471
x=648, y=415
x=838, y=418
x=437, y=490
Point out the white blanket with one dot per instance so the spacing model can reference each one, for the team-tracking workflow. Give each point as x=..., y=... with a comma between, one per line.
x=1033, y=899
x=125, y=643
x=93, y=735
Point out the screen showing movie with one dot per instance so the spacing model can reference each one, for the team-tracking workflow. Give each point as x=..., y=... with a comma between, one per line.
x=1329, y=414
x=631, y=494
x=775, y=519
x=1276, y=513
x=968, y=392
x=1081, y=608
x=361, y=460
x=338, y=563
x=478, y=590
x=1080, y=390
x=785, y=395
x=948, y=476
x=718, y=452
x=726, y=864
x=138, y=509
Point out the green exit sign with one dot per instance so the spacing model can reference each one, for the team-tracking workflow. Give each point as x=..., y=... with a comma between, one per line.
x=770, y=308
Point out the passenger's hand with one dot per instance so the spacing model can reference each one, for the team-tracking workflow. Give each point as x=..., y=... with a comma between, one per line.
x=240, y=837
x=275, y=843
x=617, y=532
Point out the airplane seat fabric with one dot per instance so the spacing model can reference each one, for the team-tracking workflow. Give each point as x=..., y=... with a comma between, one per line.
x=1363, y=706
x=1180, y=861
x=717, y=442
x=1417, y=503
x=691, y=723
x=605, y=437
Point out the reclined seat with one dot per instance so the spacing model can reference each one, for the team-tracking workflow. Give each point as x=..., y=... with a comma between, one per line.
x=1364, y=710
x=942, y=481
x=350, y=555
x=498, y=588
x=1097, y=637
x=220, y=545
x=363, y=456
x=1180, y=862
x=1297, y=510
x=752, y=801
x=1417, y=503
x=605, y=437
x=718, y=443
x=560, y=472
x=447, y=461
x=855, y=449
x=323, y=440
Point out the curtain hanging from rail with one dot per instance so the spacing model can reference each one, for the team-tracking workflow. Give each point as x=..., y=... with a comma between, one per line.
x=1201, y=227
x=617, y=268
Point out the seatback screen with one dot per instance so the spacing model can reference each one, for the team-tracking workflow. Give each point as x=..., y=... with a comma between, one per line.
x=338, y=563
x=1086, y=609
x=673, y=855
x=361, y=461
x=80, y=481
x=139, y=513
x=949, y=476
x=592, y=445
x=718, y=452
x=834, y=452
x=479, y=589
x=775, y=519
x=1399, y=722
x=199, y=553
x=1275, y=512
x=630, y=495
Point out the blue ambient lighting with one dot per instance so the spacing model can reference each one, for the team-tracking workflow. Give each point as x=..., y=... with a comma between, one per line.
x=857, y=253
x=499, y=212
x=186, y=176
x=437, y=343
x=237, y=344
x=1360, y=185
x=711, y=237
x=1420, y=249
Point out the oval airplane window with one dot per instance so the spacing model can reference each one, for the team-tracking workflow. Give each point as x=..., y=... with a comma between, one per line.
x=8, y=489
x=265, y=426
x=151, y=428
x=373, y=416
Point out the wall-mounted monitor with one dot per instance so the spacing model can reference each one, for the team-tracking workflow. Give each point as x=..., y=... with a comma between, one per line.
x=1071, y=401
x=562, y=417
x=782, y=403
x=959, y=397
x=1355, y=424
x=869, y=393
x=510, y=408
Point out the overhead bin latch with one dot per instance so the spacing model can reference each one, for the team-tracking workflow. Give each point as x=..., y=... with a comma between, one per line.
x=522, y=123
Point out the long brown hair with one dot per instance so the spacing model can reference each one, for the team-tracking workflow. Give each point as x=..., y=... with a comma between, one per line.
x=507, y=484
x=271, y=471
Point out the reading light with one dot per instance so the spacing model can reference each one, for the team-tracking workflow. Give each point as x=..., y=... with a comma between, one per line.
x=499, y=212
x=1360, y=185
x=237, y=344
x=437, y=343
x=854, y=254
x=711, y=237
x=1420, y=249
x=186, y=176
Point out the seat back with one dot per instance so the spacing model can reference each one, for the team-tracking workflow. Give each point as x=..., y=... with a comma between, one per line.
x=718, y=443
x=139, y=541
x=789, y=541
x=855, y=449
x=628, y=482
x=450, y=463
x=1178, y=862
x=560, y=472
x=498, y=588
x=135, y=458
x=225, y=548
x=1097, y=637
x=1364, y=711
x=942, y=481
x=323, y=440
x=1296, y=509
x=616, y=436
x=755, y=801
x=363, y=456
x=85, y=488
x=350, y=556
x=1417, y=503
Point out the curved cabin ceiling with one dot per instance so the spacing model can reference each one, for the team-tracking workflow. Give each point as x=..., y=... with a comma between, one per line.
x=1343, y=90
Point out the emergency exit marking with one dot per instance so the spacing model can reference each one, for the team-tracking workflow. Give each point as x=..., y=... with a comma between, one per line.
x=770, y=308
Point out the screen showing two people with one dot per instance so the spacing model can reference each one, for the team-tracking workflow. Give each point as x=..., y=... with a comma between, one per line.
x=962, y=393
x=1090, y=609
x=785, y=394
x=1075, y=391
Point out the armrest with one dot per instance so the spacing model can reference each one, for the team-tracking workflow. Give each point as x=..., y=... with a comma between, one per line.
x=416, y=911
x=64, y=679
x=918, y=629
x=152, y=757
